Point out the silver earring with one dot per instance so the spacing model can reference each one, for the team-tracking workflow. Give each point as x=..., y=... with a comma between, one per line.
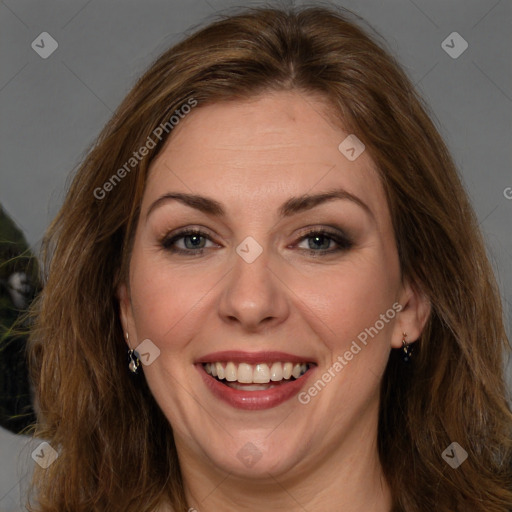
x=133, y=360
x=407, y=348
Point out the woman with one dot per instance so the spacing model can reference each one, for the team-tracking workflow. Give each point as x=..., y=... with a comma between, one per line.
x=274, y=232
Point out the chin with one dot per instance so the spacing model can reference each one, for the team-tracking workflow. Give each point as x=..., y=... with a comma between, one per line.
x=257, y=453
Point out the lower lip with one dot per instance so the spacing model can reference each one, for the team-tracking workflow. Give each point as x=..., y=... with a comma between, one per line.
x=254, y=400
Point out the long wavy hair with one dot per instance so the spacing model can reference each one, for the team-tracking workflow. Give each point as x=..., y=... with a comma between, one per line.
x=116, y=448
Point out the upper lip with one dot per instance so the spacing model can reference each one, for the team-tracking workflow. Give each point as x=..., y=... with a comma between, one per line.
x=238, y=356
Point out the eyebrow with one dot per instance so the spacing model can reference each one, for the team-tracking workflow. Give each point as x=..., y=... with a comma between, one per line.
x=290, y=207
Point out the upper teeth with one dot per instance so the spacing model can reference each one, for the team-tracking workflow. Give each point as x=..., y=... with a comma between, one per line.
x=257, y=373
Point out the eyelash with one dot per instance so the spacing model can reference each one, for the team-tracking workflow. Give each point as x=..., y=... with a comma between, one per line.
x=343, y=242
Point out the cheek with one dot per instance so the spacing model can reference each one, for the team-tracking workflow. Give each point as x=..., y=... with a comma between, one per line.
x=166, y=300
x=353, y=295
x=350, y=300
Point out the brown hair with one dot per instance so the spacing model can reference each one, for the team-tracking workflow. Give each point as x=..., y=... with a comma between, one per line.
x=116, y=447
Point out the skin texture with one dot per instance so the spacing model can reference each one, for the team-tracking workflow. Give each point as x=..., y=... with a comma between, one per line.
x=252, y=156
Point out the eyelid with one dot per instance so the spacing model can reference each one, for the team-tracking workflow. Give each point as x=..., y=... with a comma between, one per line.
x=324, y=228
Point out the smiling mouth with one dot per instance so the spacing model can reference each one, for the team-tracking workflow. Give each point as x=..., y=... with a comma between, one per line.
x=256, y=377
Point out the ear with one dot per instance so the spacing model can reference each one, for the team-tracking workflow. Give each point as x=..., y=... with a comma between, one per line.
x=126, y=315
x=413, y=316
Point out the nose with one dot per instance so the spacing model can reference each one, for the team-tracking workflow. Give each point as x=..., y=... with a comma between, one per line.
x=253, y=296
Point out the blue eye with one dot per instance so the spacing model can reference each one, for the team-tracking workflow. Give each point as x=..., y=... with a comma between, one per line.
x=194, y=242
x=318, y=238
x=191, y=235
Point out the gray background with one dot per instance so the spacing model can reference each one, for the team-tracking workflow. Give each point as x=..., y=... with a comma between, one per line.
x=52, y=109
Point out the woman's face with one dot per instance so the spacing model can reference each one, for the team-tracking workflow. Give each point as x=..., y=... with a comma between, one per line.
x=277, y=281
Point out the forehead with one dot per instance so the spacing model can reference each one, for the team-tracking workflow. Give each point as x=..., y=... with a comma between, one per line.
x=263, y=149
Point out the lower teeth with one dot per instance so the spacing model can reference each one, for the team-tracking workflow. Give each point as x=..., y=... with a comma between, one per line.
x=250, y=387
x=254, y=387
